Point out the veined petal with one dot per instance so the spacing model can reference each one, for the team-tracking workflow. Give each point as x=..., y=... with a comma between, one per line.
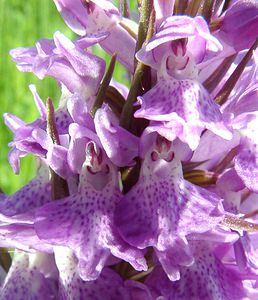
x=246, y=164
x=103, y=18
x=67, y=62
x=119, y=144
x=80, y=136
x=38, y=101
x=25, y=279
x=246, y=161
x=108, y=286
x=207, y=278
x=24, y=58
x=229, y=186
x=79, y=111
x=35, y=194
x=85, y=64
x=13, y=122
x=121, y=42
x=239, y=24
x=92, y=17
x=84, y=221
x=74, y=14
x=14, y=159
x=163, y=9
x=22, y=236
x=162, y=208
x=183, y=103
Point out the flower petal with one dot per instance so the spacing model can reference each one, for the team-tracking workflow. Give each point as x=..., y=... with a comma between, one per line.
x=186, y=109
x=162, y=207
x=84, y=222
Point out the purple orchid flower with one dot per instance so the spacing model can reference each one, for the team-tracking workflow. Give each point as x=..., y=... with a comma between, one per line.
x=101, y=16
x=179, y=46
x=120, y=145
x=141, y=219
x=92, y=16
x=84, y=221
x=23, y=140
x=182, y=109
x=239, y=26
x=109, y=285
x=163, y=9
x=36, y=193
x=178, y=105
x=33, y=139
x=31, y=276
x=165, y=208
x=207, y=278
x=67, y=62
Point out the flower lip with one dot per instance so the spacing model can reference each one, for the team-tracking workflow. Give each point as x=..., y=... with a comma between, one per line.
x=105, y=170
x=95, y=161
x=162, y=150
x=89, y=6
x=179, y=46
x=162, y=144
x=94, y=155
x=168, y=156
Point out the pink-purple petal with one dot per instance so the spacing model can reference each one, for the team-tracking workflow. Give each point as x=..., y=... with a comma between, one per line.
x=71, y=286
x=35, y=194
x=25, y=280
x=246, y=163
x=186, y=109
x=207, y=278
x=163, y=207
x=84, y=222
x=120, y=145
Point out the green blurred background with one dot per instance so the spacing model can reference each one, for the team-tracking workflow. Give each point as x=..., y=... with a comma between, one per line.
x=22, y=23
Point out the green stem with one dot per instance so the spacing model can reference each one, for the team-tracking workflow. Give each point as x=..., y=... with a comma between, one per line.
x=207, y=10
x=127, y=112
x=104, y=85
x=5, y=259
x=193, y=7
x=180, y=7
x=141, y=69
x=146, y=9
x=124, y=8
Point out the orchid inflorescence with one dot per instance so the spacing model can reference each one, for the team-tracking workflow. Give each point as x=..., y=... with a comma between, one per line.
x=147, y=192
